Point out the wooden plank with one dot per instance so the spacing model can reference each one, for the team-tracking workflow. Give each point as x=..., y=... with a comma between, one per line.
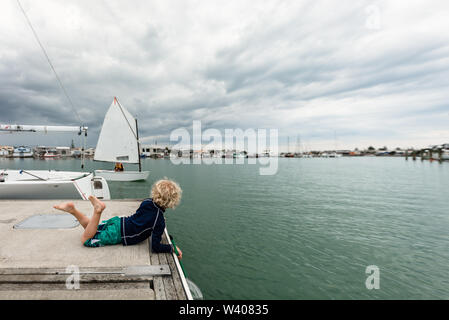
x=33, y=286
x=18, y=271
x=43, y=278
x=158, y=284
x=176, y=280
x=128, y=271
x=159, y=290
x=170, y=292
x=136, y=294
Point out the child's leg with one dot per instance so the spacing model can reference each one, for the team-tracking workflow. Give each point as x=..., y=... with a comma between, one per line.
x=91, y=228
x=70, y=208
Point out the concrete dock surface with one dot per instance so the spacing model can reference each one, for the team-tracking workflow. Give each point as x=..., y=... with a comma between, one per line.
x=34, y=261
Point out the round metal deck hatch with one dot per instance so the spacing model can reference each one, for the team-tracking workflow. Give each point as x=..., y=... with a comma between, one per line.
x=48, y=221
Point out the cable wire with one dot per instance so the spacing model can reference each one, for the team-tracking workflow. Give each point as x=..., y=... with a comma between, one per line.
x=49, y=62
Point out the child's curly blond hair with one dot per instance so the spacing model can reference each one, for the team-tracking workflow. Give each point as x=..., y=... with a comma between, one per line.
x=166, y=193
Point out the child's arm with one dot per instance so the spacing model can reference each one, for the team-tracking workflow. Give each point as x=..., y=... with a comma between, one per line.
x=157, y=246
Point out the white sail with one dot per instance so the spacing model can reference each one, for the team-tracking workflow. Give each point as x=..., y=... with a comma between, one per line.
x=118, y=137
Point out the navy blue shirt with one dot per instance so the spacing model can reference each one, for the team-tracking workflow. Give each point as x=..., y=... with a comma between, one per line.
x=139, y=227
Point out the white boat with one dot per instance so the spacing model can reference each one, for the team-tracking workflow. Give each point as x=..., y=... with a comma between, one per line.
x=334, y=155
x=239, y=155
x=51, y=184
x=156, y=152
x=22, y=152
x=119, y=142
x=50, y=154
x=122, y=175
x=266, y=154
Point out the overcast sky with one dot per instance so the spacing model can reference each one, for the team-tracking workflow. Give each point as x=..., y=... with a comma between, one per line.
x=351, y=73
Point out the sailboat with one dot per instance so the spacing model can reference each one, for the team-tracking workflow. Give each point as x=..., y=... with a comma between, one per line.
x=119, y=142
x=335, y=154
x=50, y=184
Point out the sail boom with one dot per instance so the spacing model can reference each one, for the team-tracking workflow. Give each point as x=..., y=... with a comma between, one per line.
x=33, y=128
x=109, y=161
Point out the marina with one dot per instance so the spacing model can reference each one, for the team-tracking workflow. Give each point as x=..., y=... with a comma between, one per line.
x=284, y=150
x=35, y=262
x=438, y=153
x=432, y=152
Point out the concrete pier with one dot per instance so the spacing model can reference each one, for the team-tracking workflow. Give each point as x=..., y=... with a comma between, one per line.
x=34, y=261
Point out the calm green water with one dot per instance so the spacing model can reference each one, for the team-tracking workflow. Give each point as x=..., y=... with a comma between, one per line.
x=307, y=232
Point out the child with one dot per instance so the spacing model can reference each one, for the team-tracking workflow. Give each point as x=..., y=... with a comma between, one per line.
x=147, y=221
x=118, y=167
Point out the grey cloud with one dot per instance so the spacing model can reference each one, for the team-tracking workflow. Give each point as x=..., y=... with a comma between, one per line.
x=310, y=67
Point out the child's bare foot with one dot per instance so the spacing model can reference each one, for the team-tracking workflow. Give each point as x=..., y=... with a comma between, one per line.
x=66, y=206
x=98, y=205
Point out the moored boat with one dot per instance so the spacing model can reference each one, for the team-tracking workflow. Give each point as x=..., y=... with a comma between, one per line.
x=22, y=152
x=119, y=143
x=51, y=184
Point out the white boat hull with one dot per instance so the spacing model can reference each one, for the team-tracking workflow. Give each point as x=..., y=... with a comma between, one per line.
x=55, y=185
x=111, y=175
x=22, y=155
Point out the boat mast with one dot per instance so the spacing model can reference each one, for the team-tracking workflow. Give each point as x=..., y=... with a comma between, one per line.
x=335, y=141
x=138, y=147
x=136, y=135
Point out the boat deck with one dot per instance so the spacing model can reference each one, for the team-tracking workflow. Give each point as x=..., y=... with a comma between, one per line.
x=34, y=262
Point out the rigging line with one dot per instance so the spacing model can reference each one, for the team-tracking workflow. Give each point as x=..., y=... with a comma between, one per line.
x=48, y=59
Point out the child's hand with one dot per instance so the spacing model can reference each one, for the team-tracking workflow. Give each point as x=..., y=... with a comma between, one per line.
x=179, y=253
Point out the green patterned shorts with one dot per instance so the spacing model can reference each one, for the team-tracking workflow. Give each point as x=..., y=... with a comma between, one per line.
x=108, y=233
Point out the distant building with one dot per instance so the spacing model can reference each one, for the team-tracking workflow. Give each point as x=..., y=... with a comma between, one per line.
x=344, y=152
x=90, y=152
x=75, y=152
x=51, y=152
x=6, y=151
x=63, y=151
x=154, y=151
